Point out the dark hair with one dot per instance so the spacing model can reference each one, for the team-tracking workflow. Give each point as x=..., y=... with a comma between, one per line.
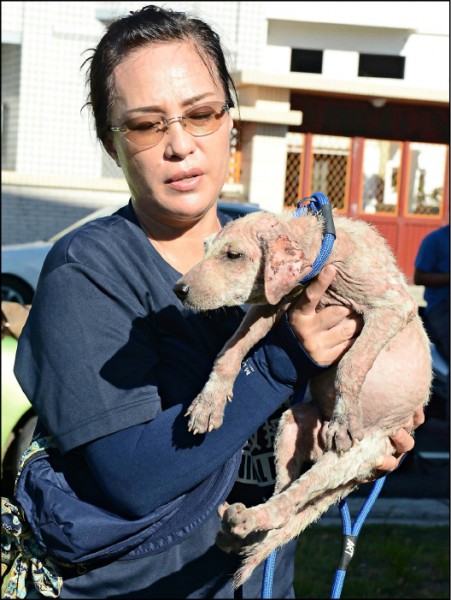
x=150, y=24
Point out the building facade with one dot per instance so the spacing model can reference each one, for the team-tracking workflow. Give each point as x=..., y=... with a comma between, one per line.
x=348, y=99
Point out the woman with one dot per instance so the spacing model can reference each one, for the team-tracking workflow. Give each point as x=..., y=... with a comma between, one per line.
x=110, y=358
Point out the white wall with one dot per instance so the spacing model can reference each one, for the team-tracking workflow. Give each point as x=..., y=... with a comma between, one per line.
x=12, y=14
x=427, y=55
x=424, y=17
x=54, y=137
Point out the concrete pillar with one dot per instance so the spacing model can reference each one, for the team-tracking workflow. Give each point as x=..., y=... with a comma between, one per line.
x=264, y=157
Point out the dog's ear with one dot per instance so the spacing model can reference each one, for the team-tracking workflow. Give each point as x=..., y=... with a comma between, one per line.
x=283, y=263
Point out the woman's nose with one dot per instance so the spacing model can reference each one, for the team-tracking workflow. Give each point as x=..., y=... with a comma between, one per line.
x=178, y=141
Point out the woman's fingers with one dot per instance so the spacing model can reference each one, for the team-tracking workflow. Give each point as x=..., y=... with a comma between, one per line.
x=309, y=300
x=326, y=333
x=403, y=442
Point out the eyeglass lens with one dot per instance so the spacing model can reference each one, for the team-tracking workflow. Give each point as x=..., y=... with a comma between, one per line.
x=148, y=130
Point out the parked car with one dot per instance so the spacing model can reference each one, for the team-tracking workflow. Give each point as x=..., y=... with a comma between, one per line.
x=22, y=263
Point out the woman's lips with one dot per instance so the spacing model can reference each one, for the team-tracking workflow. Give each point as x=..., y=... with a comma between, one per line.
x=183, y=182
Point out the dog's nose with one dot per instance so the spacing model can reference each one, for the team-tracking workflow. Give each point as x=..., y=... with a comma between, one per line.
x=181, y=290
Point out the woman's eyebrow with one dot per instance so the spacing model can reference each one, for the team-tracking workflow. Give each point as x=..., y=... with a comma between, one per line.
x=158, y=109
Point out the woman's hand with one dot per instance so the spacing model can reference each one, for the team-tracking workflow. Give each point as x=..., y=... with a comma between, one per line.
x=403, y=442
x=328, y=333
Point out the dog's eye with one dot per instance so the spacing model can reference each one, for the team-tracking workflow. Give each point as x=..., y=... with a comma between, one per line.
x=234, y=255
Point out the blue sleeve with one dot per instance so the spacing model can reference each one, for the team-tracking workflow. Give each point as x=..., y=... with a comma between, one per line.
x=144, y=466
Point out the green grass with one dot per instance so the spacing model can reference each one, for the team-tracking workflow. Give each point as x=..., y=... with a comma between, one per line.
x=390, y=561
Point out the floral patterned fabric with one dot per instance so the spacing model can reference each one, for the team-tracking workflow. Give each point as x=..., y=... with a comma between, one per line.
x=24, y=563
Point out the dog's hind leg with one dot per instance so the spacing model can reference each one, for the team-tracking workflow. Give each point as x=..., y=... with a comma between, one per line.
x=330, y=472
x=253, y=554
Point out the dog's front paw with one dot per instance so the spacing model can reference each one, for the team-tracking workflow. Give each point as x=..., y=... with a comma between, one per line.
x=206, y=412
x=343, y=434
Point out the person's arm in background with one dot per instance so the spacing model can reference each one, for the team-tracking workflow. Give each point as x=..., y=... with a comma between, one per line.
x=429, y=257
x=430, y=279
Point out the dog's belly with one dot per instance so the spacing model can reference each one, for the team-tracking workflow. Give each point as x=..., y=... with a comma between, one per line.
x=396, y=385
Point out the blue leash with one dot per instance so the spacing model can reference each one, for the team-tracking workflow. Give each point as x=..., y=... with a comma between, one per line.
x=350, y=534
x=268, y=575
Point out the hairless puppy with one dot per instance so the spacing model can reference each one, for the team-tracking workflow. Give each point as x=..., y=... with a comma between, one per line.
x=356, y=405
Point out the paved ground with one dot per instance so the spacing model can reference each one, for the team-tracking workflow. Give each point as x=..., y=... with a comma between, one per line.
x=399, y=511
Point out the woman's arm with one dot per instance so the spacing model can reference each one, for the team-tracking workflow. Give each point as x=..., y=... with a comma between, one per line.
x=429, y=279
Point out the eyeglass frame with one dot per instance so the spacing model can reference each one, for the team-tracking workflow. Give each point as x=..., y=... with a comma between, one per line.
x=167, y=122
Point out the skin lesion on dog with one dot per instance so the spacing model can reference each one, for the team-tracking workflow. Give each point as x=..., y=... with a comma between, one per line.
x=356, y=405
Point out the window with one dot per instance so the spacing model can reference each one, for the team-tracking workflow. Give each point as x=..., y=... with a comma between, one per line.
x=330, y=168
x=427, y=165
x=306, y=61
x=381, y=167
x=381, y=65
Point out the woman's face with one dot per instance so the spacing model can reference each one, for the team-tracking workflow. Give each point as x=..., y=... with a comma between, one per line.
x=180, y=178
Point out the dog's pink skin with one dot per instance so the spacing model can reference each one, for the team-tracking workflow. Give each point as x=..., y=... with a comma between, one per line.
x=373, y=391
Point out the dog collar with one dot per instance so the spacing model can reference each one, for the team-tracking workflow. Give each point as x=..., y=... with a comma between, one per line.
x=318, y=204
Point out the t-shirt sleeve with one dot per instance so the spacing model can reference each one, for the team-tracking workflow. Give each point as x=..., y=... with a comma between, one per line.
x=81, y=325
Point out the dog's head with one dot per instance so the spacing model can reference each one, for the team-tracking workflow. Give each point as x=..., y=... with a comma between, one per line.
x=254, y=260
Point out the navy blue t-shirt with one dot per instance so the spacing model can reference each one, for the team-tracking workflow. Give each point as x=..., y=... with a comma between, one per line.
x=108, y=348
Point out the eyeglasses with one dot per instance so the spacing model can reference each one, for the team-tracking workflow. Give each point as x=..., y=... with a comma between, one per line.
x=148, y=130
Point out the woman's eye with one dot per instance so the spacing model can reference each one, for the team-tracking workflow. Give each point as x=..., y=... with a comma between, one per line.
x=143, y=125
x=234, y=255
x=202, y=114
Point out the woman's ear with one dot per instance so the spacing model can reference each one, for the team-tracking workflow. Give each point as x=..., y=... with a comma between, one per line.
x=109, y=146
